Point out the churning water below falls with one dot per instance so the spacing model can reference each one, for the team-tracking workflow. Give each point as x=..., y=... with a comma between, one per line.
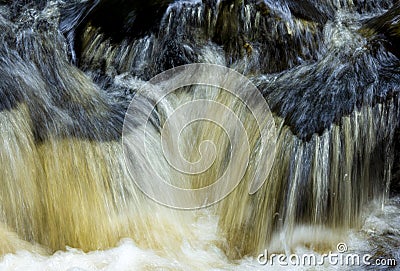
x=200, y=135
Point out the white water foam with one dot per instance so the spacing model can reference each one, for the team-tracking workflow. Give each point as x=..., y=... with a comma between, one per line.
x=380, y=236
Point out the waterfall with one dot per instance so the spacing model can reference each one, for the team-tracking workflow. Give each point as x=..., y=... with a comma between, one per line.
x=303, y=124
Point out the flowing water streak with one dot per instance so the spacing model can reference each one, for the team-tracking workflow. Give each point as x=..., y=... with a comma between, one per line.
x=64, y=172
x=64, y=179
x=321, y=181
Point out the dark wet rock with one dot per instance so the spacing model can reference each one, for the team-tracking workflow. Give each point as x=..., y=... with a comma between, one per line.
x=385, y=28
x=363, y=6
x=307, y=10
x=274, y=35
x=18, y=5
x=173, y=53
x=61, y=100
x=312, y=97
x=264, y=32
x=228, y=28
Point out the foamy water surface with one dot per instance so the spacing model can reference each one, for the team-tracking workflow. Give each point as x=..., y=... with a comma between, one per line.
x=380, y=237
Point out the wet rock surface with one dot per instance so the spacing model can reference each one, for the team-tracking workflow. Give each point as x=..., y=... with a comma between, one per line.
x=386, y=28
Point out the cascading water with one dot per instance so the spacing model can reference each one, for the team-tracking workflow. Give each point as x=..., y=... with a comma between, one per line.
x=73, y=74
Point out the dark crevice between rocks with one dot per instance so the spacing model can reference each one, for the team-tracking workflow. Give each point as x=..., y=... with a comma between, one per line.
x=228, y=31
x=279, y=52
x=117, y=19
x=395, y=182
